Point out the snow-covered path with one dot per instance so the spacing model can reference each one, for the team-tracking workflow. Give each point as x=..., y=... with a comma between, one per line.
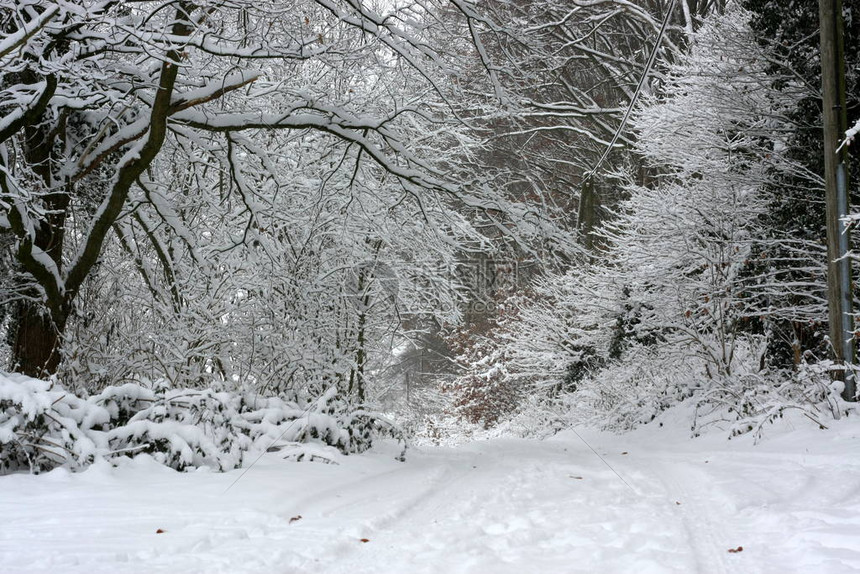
x=792, y=503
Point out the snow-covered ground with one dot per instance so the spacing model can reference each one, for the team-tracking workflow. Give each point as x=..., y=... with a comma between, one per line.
x=676, y=505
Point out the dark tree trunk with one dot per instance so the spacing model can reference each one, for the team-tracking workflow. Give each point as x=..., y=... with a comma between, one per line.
x=36, y=342
x=35, y=336
x=35, y=332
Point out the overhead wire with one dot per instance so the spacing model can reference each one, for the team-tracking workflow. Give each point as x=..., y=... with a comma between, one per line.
x=649, y=64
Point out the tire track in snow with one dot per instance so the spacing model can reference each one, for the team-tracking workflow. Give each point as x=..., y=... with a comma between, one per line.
x=509, y=510
x=500, y=507
x=355, y=506
x=703, y=516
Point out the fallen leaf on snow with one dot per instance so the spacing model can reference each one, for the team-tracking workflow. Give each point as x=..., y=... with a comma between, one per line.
x=736, y=550
x=159, y=531
x=365, y=539
x=576, y=477
x=295, y=518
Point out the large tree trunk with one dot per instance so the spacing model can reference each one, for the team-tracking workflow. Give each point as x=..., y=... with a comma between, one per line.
x=35, y=333
x=36, y=342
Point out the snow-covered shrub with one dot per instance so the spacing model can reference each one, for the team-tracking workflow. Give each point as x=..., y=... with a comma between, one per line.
x=566, y=329
x=328, y=419
x=183, y=428
x=124, y=401
x=747, y=402
x=635, y=390
x=651, y=380
x=540, y=416
x=43, y=426
x=535, y=416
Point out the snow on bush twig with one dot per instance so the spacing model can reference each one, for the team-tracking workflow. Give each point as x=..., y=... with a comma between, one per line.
x=43, y=426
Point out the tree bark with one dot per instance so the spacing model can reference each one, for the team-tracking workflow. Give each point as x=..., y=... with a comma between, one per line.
x=36, y=332
x=36, y=343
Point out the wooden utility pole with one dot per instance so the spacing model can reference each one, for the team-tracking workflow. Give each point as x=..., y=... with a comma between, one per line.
x=839, y=287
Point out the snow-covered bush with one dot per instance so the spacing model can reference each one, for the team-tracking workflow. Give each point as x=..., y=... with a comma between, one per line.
x=747, y=402
x=650, y=381
x=562, y=330
x=540, y=416
x=627, y=393
x=43, y=426
x=182, y=428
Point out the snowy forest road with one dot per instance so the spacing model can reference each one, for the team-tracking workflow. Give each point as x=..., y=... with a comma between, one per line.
x=500, y=506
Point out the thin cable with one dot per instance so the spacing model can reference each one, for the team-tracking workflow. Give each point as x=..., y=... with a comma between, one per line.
x=651, y=59
x=256, y=460
x=609, y=466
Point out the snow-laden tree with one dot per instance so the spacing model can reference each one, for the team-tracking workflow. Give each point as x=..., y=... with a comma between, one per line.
x=171, y=128
x=570, y=71
x=565, y=74
x=791, y=28
x=689, y=242
x=692, y=279
x=330, y=274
